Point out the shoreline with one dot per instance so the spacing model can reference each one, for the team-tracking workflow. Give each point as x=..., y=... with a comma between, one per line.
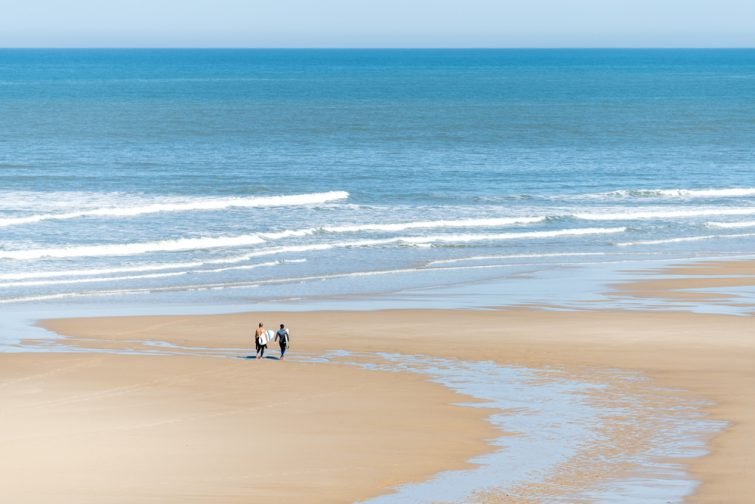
x=485, y=284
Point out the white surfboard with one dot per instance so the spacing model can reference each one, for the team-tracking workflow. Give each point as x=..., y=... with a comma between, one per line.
x=267, y=337
x=262, y=339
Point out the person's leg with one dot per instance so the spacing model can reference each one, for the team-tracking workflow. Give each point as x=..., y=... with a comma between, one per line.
x=283, y=350
x=257, y=347
x=262, y=350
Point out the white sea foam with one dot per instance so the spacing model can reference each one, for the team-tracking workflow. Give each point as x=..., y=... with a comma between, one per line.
x=403, y=226
x=629, y=194
x=731, y=225
x=63, y=201
x=197, y=204
x=421, y=240
x=64, y=295
x=184, y=266
x=464, y=238
x=514, y=256
x=130, y=249
x=685, y=239
x=460, y=223
x=239, y=268
x=234, y=241
x=663, y=214
x=73, y=281
x=734, y=192
x=100, y=271
x=289, y=233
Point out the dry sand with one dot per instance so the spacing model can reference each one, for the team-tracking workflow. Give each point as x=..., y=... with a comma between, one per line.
x=184, y=429
x=108, y=428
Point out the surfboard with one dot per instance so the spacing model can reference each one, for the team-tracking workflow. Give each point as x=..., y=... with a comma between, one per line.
x=263, y=338
x=267, y=337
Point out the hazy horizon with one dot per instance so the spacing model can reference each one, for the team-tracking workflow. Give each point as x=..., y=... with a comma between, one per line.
x=421, y=24
x=382, y=48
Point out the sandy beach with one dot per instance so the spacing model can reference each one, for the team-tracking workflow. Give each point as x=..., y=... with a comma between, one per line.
x=107, y=427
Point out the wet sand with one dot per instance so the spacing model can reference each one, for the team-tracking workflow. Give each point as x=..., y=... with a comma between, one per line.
x=683, y=282
x=127, y=418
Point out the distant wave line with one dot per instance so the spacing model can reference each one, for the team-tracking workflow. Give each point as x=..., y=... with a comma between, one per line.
x=389, y=241
x=106, y=250
x=73, y=281
x=129, y=269
x=409, y=240
x=515, y=256
x=402, y=226
x=130, y=249
x=733, y=192
x=628, y=194
x=731, y=225
x=197, y=205
x=464, y=238
x=684, y=239
x=460, y=223
x=101, y=271
x=184, y=244
x=662, y=214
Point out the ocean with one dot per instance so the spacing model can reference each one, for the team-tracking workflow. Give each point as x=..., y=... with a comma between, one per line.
x=255, y=177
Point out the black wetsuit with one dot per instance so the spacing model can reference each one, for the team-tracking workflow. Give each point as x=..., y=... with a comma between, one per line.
x=282, y=336
x=260, y=348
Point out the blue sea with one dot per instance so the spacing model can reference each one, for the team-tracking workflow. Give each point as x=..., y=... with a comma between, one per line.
x=253, y=177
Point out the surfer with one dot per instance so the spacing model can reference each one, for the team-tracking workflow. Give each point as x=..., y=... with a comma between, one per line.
x=281, y=336
x=258, y=340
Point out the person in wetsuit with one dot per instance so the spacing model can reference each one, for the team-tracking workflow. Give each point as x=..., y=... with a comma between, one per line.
x=258, y=346
x=282, y=337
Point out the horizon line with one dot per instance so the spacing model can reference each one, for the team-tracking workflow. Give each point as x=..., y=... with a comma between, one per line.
x=378, y=48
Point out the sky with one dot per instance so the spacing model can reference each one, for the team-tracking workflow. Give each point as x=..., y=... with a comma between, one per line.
x=377, y=23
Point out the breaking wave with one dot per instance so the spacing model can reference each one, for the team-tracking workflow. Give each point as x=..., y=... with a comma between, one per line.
x=731, y=225
x=515, y=256
x=662, y=214
x=735, y=192
x=684, y=239
x=130, y=249
x=147, y=276
x=199, y=204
